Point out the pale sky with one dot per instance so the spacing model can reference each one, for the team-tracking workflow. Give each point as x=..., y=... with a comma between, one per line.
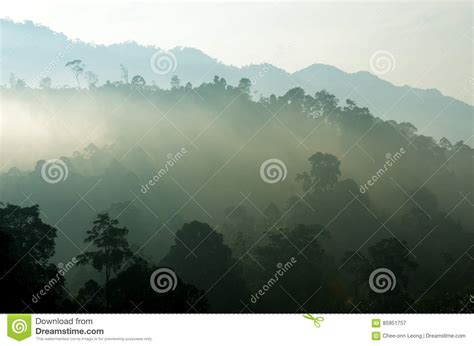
x=431, y=42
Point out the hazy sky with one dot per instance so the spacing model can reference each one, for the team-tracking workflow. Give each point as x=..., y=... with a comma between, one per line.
x=430, y=42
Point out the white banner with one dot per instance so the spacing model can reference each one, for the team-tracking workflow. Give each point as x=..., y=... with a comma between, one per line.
x=238, y=329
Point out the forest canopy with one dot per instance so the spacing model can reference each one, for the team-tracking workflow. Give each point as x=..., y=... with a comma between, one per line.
x=236, y=186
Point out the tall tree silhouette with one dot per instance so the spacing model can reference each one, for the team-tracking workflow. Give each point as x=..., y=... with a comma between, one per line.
x=77, y=68
x=111, y=248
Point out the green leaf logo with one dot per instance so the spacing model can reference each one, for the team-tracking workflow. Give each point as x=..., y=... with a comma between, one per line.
x=19, y=326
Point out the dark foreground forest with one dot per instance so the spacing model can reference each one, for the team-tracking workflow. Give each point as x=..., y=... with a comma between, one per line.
x=125, y=197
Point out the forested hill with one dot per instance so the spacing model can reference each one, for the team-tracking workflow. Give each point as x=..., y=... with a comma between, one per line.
x=225, y=190
x=32, y=52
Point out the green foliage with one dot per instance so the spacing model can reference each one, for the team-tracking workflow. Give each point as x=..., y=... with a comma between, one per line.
x=201, y=258
x=244, y=85
x=111, y=248
x=337, y=233
x=26, y=246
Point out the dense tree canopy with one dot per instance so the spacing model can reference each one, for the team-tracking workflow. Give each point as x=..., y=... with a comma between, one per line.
x=356, y=193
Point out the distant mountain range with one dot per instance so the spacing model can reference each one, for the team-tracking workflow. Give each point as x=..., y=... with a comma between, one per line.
x=32, y=52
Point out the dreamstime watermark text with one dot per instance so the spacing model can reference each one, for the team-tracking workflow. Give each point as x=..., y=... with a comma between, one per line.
x=55, y=61
x=172, y=160
x=391, y=160
x=280, y=272
x=62, y=271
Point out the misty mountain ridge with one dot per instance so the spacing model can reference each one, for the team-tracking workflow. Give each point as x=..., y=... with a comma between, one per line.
x=261, y=180
x=431, y=112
